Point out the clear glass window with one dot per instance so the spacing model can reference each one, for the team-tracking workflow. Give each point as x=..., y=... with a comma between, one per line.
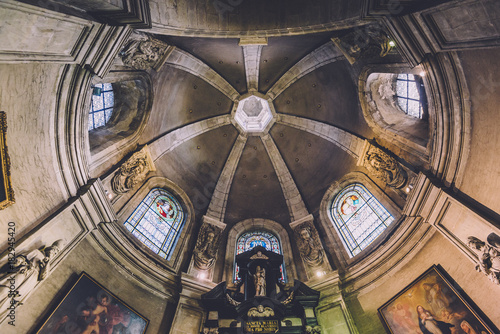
x=102, y=105
x=358, y=217
x=249, y=240
x=408, y=89
x=157, y=222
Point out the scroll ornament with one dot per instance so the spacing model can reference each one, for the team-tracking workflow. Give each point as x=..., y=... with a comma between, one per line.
x=205, y=252
x=488, y=254
x=133, y=171
x=313, y=329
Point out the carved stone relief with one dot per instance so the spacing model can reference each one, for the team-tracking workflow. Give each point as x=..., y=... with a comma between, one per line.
x=144, y=52
x=205, y=252
x=365, y=43
x=383, y=166
x=309, y=245
x=24, y=272
x=488, y=254
x=133, y=171
x=313, y=329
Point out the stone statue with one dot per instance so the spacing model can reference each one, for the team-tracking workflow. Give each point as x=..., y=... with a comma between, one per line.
x=132, y=172
x=205, y=252
x=313, y=329
x=20, y=276
x=260, y=312
x=488, y=254
x=385, y=167
x=143, y=52
x=259, y=279
x=309, y=246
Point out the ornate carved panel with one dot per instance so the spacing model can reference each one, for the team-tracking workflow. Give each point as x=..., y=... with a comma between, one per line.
x=133, y=171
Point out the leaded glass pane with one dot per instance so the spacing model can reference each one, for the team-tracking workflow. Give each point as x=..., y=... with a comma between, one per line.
x=157, y=222
x=249, y=240
x=408, y=95
x=358, y=217
x=101, y=107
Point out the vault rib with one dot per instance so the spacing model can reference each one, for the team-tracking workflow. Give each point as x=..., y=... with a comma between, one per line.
x=184, y=61
x=252, y=54
x=296, y=206
x=348, y=142
x=171, y=140
x=325, y=54
x=218, y=203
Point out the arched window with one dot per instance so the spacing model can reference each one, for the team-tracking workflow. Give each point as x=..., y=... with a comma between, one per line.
x=408, y=89
x=358, y=217
x=102, y=105
x=157, y=222
x=249, y=240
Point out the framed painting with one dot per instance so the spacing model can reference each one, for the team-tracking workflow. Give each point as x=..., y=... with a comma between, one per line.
x=90, y=308
x=6, y=191
x=431, y=304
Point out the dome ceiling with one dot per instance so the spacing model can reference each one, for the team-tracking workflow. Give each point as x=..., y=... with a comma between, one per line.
x=305, y=81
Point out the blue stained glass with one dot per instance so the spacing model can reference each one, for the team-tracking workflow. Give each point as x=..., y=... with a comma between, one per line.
x=157, y=222
x=101, y=107
x=358, y=217
x=249, y=240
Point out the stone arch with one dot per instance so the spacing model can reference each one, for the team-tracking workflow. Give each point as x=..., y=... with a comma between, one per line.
x=262, y=224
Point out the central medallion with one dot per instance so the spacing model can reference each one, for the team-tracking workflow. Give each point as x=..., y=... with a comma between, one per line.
x=253, y=114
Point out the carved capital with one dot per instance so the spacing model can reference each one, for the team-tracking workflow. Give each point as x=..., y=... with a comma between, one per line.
x=383, y=166
x=144, y=52
x=133, y=171
x=488, y=256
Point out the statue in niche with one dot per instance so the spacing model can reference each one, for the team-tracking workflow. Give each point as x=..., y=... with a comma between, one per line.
x=309, y=246
x=260, y=312
x=205, y=252
x=132, y=172
x=385, y=167
x=313, y=329
x=24, y=272
x=143, y=52
x=259, y=279
x=369, y=42
x=488, y=254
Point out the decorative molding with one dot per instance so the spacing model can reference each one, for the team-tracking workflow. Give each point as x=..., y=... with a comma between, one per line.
x=135, y=13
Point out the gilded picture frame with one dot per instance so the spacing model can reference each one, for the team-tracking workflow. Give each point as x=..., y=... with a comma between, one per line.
x=6, y=190
x=88, y=307
x=433, y=304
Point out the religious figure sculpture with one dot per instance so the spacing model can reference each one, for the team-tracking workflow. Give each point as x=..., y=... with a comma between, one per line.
x=20, y=276
x=132, y=172
x=259, y=279
x=385, y=167
x=488, y=254
x=144, y=52
x=205, y=252
x=310, y=250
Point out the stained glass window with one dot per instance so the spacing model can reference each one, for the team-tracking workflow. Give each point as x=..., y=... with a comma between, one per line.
x=358, y=217
x=249, y=240
x=408, y=88
x=157, y=222
x=102, y=105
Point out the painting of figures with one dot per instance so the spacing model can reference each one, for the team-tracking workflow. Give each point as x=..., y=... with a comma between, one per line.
x=89, y=308
x=431, y=305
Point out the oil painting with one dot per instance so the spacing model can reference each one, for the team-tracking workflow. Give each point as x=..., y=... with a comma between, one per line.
x=432, y=305
x=90, y=308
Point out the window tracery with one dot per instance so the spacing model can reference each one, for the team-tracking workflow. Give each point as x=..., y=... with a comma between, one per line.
x=358, y=217
x=157, y=222
x=408, y=94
